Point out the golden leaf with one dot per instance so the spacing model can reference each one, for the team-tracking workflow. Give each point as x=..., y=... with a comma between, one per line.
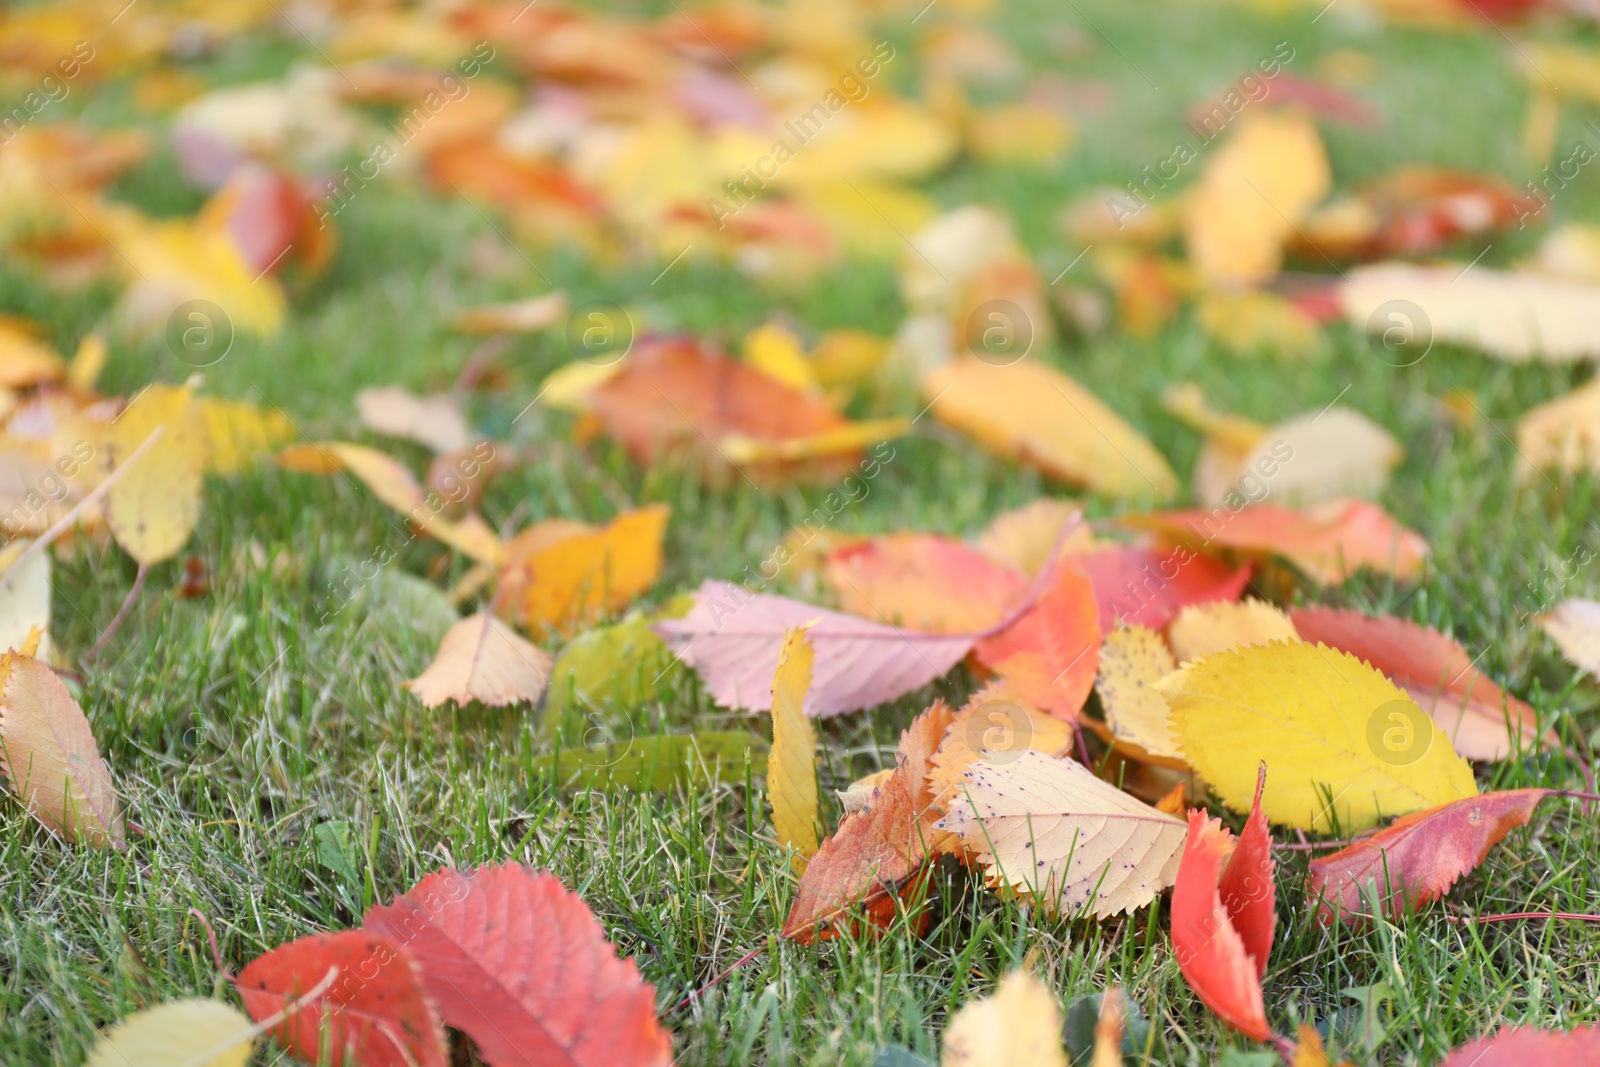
x=153, y=508
x=1202, y=629
x=792, y=764
x=1018, y=1025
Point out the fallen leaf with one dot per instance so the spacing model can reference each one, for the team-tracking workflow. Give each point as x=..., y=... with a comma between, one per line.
x=193, y=1033
x=517, y=316
x=1132, y=660
x=518, y=963
x=1222, y=917
x=1148, y=587
x=1025, y=537
x=1252, y=194
x=1329, y=542
x=433, y=421
x=483, y=659
x=1413, y=212
x=1032, y=413
x=1050, y=830
x=792, y=767
x=25, y=359
x=775, y=351
x=1108, y=1031
x=1345, y=745
x=564, y=582
x=926, y=582
x=1049, y=653
x=1515, y=317
x=24, y=597
x=1482, y=721
x=859, y=793
x=1203, y=629
x=733, y=636
x=1325, y=455
x=237, y=433
x=49, y=757
x=877, y=852
x=660, y=762
x=1563, y=434
x=376, y=1013
x=995, y=725
x=1018, y=1025
x=1253, y=323
x=1521, y=1046
x=152, y=510
x=1574, y=625
x=393, y=484
x=1416, y=860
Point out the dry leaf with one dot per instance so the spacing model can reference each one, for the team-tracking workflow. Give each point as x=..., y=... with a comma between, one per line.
x=1050, y=830
x=483, y=659
x=1574, y=625
x=925, y=582
x=433, y=421
x=1524, y=1046
x=24, y=598
x=1108, y=1030
x=575, y=576
x=1132, y=660
x=191, y=1033
x=152, y=510
x=237, y=433
x=994, y=725
x=1202, y=629
x=1018, y=1025
x=1345, y=745
x=792, y=764
x=518, y=316
x=1030, y=412
x=1562, y=434
x=49, y=757
x=1147, y=587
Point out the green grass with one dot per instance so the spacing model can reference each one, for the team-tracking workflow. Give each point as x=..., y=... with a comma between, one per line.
x=236, y=725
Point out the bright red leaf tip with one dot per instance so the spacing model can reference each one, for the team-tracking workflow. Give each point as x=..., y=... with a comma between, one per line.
x=1222, y=933
x=375, y=1013
x=1050, y=654
x=1526, y=1047
x=521, y=966
x=1416, y=860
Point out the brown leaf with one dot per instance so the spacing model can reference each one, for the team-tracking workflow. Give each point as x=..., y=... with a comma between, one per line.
x=483, y=659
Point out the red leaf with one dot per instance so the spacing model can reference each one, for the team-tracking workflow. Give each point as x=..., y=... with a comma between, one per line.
x=1527, y=1047
x=879, y=851
x=375, y=1013
x=1435, y=671
x=1210, y=947
x=1050, y=654
x=521, y=966
x=1416, y=860
x=1247, y=888
x=923, y=581
x=1147, y=587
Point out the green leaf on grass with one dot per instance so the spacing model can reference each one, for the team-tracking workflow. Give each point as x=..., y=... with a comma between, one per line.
x=657, y=762
x=617, y=667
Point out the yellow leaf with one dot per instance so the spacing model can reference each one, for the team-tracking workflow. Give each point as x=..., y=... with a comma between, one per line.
x=239, y=432
x=433, y=421
x=1033, y=413
x=153, y=508
x=1022, y=132
x=1204, y=629
x=393, y=484
x=1024, y=537
x=868, y=218
x=1049, y=829
x=567, y=388
x=1252, y=194
x=776, y=352
x=576, y=579
x=24, y=359
x=181, y=1033
x=848, y=357
x=1132, y=660
x=87, y=363
x=739, y=448
x=791, y=767
x=1256, y=323
x=1019, y=1025
x=1108, y=1030
x=483, y=659
x=24, y=597
x=1344, y=745
x=49, y=756
x=1562, y=434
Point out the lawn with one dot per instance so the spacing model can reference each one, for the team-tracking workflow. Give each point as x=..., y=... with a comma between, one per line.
x=284, y=782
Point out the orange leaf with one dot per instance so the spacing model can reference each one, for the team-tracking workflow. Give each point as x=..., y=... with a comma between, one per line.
x=576, y=576
x=1147, y=587
x=521, y=966
x=375, y=1014
x=1050, y=653
x=1416, y=860
x=1436, y=672
x=483, y=659
x=1211, y=950
x=877, y=851
x=923, y=581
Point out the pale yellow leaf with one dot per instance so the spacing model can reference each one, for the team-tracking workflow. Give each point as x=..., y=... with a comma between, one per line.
x=153, y=508
x=1574, y=625
x=24, y=597
x=433, y=421
x=1344, y=745
x=994, y=726
x=1204, y=629
x=1562, y=434
x=1049, y=829
x=1018, y=1025
x=49, y=757
x=1252, y=194
x=1323, y=455
x=859, y=793
x=238, y=432
x=25, y=359
x=1024, y=537
x=518, y=316
x=567, y=388
x=180, y=1033
x=792, y=764
x=1255, y=323
x=483, y=659
x=1132, y=660
x=1031, y=412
